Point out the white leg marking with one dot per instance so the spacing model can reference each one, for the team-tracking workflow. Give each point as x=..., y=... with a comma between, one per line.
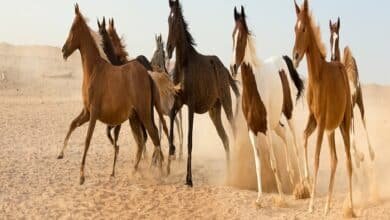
x=256, y=151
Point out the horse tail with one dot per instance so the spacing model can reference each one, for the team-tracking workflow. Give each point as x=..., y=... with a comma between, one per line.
x=294, y=75
x=351, y=69
x=157, y=102
x=145, y=62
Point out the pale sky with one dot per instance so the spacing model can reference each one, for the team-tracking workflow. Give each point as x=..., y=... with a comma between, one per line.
x=365, y=26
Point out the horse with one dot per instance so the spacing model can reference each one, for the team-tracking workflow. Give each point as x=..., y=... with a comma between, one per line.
x=266, y=97
x=329, y=100
x=354, y=84
x=158, y=64
x=204, y=84
x=110, y=93
x=166, y=88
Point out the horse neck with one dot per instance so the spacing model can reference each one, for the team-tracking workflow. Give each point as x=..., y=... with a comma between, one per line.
x=315, y=59
x=89, y=55
x=337, y=51
x=184, y=50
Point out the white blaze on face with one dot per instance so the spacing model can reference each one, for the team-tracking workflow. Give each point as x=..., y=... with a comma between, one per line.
x=235, y=39
x=335, y=36
x=172, y=15
x=299, y=24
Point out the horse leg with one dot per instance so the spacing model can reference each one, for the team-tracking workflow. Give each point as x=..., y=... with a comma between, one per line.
x=108, y=133
x=359, y=156
x=190, y=128
x=150, y=126
x=291, y=125
x=310, y=128
x=215, y=115
x=268, y=141
x=227, y=107
x=333, y=166
x=359, y=102
x=172, y=148
x=345, y=133
x=116, y=147
x=145, y=138
x=256, y=152
x=136, y=128
x=281, y=132
x=91, y=127
x=179, y=128
x=320, y=136
x=81, y=119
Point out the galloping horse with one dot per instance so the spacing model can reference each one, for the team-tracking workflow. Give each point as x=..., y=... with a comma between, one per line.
x=110, y=93
x=328, y=97
x=204, y=83
x=266, y=96
x=164, y=85
x=158, y=64
x=354, y=84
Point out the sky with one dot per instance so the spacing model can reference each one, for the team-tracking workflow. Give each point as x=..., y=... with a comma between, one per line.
x=365, y=26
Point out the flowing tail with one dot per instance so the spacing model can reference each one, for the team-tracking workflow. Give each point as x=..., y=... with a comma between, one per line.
x=294, y=75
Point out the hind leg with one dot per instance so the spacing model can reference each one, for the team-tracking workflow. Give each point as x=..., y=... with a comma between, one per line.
x=91, y=127
x=152, y=130
x=281, y=132
x=179, y=125
x=116, y=147
x=359, y=102
x=108, y=133
x=310, y=128
x=136, y=128
x=345, y=133
x=81, y=119
x=215, y=115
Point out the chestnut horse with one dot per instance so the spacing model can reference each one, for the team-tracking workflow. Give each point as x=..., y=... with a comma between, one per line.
x=266, y=97
x=328, y=98
x=204, y=84
x=354, y=84
x=110, y=93
x=164, y=85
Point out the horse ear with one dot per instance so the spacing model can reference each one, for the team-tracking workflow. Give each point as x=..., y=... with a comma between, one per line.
x=338, y=23
x=330, y=24
x=104, y=22
x=98, y=23
x=236, y=15
x=76, y=9
x=243, y=11
x=112, y=23
x=306, y=5
x=297, y=9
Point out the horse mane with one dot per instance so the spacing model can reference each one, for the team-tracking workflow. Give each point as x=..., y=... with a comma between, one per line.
x=250, y=56
x=97, y=39
x=187, y=34
x=119, y=45
x=317, y=35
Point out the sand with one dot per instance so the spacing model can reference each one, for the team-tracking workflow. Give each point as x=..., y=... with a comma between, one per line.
x=36, y=108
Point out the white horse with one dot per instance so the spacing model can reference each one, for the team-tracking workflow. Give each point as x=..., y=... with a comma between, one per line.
x=266, y=97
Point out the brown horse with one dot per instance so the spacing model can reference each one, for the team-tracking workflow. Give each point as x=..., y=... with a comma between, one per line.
x=354, y=84
x=110, y=93
x=328, y=98
x=204, y=83
x=166, y=88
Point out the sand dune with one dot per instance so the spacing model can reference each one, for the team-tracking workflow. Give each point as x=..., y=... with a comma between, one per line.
x=35, y=115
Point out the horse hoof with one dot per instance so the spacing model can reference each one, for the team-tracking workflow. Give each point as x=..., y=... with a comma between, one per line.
x=349, y=213
x=189, y=183
x=372, y=154
x=301, y=191
x=82, y=180
x=60, y=156
x=112, y=175
x=258, y=203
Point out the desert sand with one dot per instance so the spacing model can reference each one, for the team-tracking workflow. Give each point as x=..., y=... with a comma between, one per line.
x=39, y=97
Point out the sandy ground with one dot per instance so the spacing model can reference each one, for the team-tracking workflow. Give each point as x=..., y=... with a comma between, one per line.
x=34, y=118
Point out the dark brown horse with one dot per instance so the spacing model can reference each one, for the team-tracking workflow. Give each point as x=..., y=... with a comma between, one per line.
x=110, y=93
x=328, y=97
x=354, y=83
x=204, y=83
